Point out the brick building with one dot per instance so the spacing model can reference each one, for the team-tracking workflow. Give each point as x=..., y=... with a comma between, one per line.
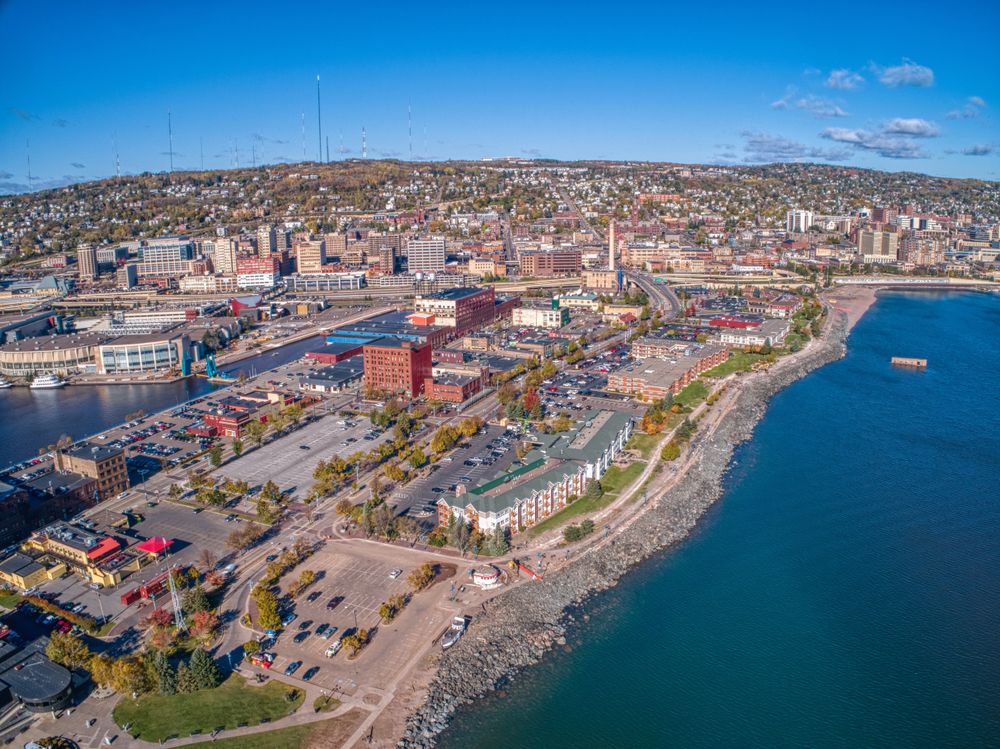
x=397, y=367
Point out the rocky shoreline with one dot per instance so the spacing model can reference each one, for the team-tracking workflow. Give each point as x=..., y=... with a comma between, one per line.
x=520, y=625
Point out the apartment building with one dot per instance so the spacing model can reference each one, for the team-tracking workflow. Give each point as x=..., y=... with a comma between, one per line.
x=310, y=256
x=426, y=255
x=397, y=367
x=101, y=462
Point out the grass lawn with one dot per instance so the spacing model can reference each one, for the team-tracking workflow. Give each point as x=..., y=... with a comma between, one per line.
x=155, y=717
x=613, y=482
x=644, y=443
x=738, y=362
x=692, y=395
x=329, y=732
x=8, y=599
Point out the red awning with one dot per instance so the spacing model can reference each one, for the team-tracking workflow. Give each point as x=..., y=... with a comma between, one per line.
x=155, y=545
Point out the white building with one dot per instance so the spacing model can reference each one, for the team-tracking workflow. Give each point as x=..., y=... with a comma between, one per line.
x=540, y=318
x=768, y=333
x=798, y=222
x=425, y=255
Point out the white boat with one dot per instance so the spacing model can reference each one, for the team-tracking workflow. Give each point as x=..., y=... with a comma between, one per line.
x=47, y=381
x=4, y=384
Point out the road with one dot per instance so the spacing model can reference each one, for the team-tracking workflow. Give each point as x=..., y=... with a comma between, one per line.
x=660, y=294
x=571, y=204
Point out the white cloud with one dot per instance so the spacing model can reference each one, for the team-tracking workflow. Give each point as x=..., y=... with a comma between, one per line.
x=914, y=126
x=817, y=106
x=765, y=147
x=844, y=79
x=908, y=73
x=785, y=100
x=971, y=109
x=884, y=144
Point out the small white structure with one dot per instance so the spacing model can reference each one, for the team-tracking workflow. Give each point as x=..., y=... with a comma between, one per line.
x=486, y=577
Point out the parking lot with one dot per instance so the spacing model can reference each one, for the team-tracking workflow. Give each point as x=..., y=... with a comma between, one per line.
x=290, y=461
x=363, y=582
x=418, y=498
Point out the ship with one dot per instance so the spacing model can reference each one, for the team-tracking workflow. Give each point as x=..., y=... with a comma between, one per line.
x=46, y=381
x=4, y=384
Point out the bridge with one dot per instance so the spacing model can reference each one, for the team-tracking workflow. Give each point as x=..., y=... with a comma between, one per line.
x=659, y=293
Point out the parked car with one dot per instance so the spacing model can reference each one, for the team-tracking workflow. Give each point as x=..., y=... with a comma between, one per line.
x=310, y=673
x=314, y=595
x=333, y=649
x=306, y=624
x=334, y=602
x=301, y=636
x=395, y=573
x=292, y=667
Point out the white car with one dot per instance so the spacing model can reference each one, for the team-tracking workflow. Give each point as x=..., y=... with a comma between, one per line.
x=395, y=573
x=333, y=649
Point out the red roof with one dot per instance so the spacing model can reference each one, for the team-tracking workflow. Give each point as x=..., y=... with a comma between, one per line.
x=102, y=548
x=155, y=545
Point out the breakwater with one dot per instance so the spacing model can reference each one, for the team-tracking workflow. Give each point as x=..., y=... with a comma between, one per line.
x=520, y=625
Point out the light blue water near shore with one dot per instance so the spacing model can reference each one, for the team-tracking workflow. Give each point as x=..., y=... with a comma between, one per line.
x=845, y=592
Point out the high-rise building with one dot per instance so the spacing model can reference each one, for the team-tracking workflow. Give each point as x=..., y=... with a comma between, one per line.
x=879, y=245
x=611, y=245
x=425, y=255
x=551, y=262
x=86, y=261
x=267, y=240
x=257, y=272
x=798, y=222
x=169, y=256
x=310, y=256
x=224, y=256
x=127, y=276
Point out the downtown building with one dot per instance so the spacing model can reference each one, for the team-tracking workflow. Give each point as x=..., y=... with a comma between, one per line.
x=464, y=308
x=395, y=366
x=257, y=273
x=425, y=255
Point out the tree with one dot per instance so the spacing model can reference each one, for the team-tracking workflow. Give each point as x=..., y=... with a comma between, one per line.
x=203, y=625
x=595, y=490
x=162, y=675
x=215, y=456
x=250, y=647
x=344, y=508
x=207, y=558
x=355, y=641
x=422, y=576
x=670, y=451
x=418, y=457
x=185, y=679
x=68, y=650
x=204, y=672
x=174, y=491
x=128, y=676
x=195, y=599
x=458, y=534
x=237, y=446
x=267, y=608
x=101, y=669
x=294, y=413
x=255, y=432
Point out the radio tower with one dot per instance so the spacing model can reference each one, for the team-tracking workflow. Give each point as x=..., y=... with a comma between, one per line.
x=176, y=601
x=409, y=126
x=364, y=143
x=319, y=121
x=118, y=169
x=170, y=135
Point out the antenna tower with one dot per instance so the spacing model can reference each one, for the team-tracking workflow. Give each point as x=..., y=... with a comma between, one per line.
x=409, y=127
x=364, y=143
x=319, y=121
x=170, y=135
x=175, y=600
x=118, y=166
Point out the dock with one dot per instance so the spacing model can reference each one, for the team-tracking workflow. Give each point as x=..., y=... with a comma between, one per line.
x=906, y=361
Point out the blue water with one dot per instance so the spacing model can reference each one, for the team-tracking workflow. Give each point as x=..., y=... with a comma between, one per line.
x=32, y=419
x=844, y=593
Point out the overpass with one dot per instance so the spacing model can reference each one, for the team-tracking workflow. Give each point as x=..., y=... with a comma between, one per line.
x=659, y=293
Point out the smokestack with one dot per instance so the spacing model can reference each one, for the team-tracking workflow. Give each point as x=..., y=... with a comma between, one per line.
x=611, y=245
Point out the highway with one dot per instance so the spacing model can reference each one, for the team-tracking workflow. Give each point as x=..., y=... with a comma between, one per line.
x=659, y=294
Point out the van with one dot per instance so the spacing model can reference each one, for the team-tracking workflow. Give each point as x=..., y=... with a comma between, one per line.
x=333, y=649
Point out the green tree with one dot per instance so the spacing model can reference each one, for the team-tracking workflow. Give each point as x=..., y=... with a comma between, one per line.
x=164, y=678
x=237, y=446
x=185, y=679
x=418, y=457
x=255, y=431
x=670, y=451
x=195, y=599
x=204, y=670
x=215, y=456
x=250, y=647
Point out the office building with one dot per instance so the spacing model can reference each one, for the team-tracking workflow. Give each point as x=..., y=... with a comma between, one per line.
x=224, y=256
x=425, y=255
x=267, y=240
x=397, y=367
x=310, y=256
x=166, y=258
x=257, y=272
x=127, y=276
x=551, y=262
x=143, y=353
x=798, y=222
x=86, y=261
x=464, y=308
x=878, y=246
x=101, y=462
x=535, y=317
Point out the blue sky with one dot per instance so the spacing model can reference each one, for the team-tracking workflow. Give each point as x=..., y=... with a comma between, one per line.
x=896, y=86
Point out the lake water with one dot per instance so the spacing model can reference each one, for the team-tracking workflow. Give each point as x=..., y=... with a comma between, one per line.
x=845, y=592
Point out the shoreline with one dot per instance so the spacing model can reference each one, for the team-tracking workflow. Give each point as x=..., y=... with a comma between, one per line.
x=521, y=624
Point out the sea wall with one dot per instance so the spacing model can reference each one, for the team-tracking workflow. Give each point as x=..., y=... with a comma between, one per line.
x=521, y=624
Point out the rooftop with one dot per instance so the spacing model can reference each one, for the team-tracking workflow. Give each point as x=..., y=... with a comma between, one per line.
x=55, y=342
x=451, y=295
x=92, y=451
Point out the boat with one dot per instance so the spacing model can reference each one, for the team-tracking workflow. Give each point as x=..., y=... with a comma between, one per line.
x=454, y=632
x=47, y=381
x=4, y=384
